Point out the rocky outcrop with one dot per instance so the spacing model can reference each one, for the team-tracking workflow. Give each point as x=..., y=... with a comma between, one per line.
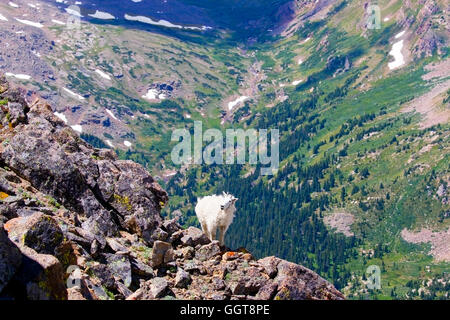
x=431, y=34
x=40, y=277
x=10, y=258
x=78, y=223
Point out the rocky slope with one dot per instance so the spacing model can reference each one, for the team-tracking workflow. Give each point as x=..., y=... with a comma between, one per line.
x=77, y=223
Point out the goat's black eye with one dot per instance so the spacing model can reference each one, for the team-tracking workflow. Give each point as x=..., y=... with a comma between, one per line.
x=221, y=207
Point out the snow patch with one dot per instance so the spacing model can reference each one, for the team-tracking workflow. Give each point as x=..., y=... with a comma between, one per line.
x=74, y=94
x=73, y=12
x=18, y=76
x=77, y=128
x=58, y=22
x=103, y=74
x=234, y=103
x=399, y=35
x=102, y=15
x=153, y=94
x=34, y=6
x=31, y=23
x=396, y=52
x=111, y=114
x=62, y=116
x=162, y=23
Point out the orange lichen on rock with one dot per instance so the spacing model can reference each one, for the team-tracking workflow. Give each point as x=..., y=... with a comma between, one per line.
x=230, y=255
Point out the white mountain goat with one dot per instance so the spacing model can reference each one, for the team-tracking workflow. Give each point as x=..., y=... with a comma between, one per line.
x=216, y=212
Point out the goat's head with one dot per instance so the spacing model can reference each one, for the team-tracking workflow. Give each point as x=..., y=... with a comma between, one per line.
x=228, y=201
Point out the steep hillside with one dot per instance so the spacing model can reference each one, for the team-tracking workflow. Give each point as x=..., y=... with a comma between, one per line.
x=364, y=150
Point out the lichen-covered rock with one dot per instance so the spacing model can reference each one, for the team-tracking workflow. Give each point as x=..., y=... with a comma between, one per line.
x=120, y=267
x=141, y=269
x=193, y=236
x=159, y=251
x=159, y=287
x=41, y=233
x=158, y=235
x=208, y=251
x=38, y=231
x=104, y=274
x=138, y=198
x=194, y=266
x=230, y=255
x=40, y=276
x=17, y=113
x=182, y=279
x=171, y=226
x=270, y=265
x=101, y=226
x=108, y=192
x=16, y=108
x=267, y=292
x=296, y=282
x=10, y=258
x=116, y=244
x=185, y=253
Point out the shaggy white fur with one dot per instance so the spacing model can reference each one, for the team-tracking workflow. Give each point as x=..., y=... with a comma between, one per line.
x=216, y=211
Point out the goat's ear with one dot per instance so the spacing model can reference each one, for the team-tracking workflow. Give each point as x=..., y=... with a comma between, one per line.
x=235, y=199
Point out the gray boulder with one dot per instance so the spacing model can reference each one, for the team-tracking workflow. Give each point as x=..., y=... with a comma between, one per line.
x=208, y=251
x=10, y=258
x=182, y=279
x=193, y=236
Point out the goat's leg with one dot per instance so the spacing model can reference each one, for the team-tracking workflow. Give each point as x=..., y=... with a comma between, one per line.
x=205, y=230
x=222, y=235
x=225, y=229
x=213, y=234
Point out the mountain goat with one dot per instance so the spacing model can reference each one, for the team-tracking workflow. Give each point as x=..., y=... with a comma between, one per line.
x=216, y=212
